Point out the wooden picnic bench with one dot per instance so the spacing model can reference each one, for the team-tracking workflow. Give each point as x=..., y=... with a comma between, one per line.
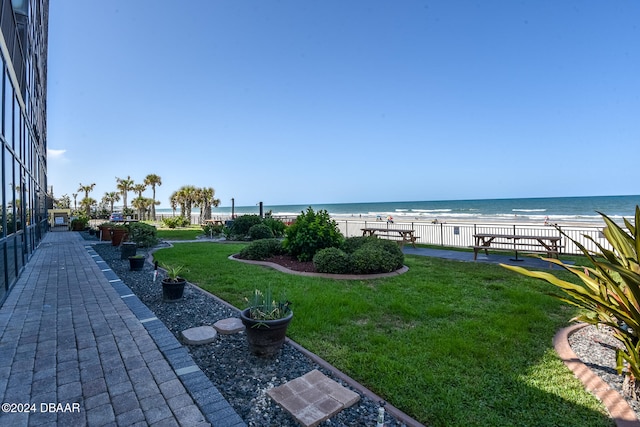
x=512, y=242
x=400, y=235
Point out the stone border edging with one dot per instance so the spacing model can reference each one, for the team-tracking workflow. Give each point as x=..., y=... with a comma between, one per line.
x=282, y=269
x=618, y=408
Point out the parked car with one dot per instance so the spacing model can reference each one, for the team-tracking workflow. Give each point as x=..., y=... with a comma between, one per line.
x=116, y=216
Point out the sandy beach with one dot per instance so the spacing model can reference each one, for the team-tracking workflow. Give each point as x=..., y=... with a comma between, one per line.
x=444, y=219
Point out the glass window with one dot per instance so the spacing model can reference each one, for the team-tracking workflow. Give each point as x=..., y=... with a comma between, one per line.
x=8, y=191
x=11, y=260
x=3, y=283
x=2, y=203
x=8, y=110
x=17, y=140
x=26, y=199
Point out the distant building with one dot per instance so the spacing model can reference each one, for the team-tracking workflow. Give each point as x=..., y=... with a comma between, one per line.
x=23, y=52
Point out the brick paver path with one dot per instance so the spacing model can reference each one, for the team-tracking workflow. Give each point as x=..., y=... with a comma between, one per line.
x=73, y=351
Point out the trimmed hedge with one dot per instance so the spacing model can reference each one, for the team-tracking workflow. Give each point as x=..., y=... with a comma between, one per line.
x=361, y=255
x=144, y=235
x=242, y=224
x=332, y=260
x=260, y=250
x=260, y=231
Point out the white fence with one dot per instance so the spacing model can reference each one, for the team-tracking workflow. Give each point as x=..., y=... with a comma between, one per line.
x=461, y=235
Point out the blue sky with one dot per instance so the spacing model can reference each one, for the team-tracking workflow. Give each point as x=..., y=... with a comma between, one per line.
x=296, y=102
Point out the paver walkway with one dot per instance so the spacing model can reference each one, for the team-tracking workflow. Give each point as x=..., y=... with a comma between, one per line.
x=523, y=261
x=78, y=348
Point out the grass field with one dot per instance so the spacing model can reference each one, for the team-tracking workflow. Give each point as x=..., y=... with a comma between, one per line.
x=449, y=343
x=184, y=233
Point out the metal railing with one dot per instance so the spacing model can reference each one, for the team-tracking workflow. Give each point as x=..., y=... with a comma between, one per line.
x=461, y=235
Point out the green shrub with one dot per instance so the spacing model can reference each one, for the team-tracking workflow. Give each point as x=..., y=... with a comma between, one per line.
x=277, y=227
x=176, y=221
x=242, y=224
x=79, y=223
x=260, y=231
x=392, y=250
x=262, y=249
x=370, y=259
x=311, y=232
x=332, y=260
x=144, y=235
x=351, y=244
x=212, y=229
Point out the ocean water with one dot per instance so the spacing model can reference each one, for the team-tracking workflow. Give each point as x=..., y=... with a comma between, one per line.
x=552, y=209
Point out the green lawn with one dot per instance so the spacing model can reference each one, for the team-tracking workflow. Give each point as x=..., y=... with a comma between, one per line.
x=186, y=233
x=449, y=343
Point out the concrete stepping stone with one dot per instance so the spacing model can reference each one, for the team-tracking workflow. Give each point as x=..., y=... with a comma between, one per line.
x=313, y=398
x=228, y=326
x=199, y=335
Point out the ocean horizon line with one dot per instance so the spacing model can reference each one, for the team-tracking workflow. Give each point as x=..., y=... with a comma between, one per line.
x=581, y=209
x=538, y=198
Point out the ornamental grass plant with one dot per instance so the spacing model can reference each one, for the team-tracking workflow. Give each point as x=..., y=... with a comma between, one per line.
x=264, y=306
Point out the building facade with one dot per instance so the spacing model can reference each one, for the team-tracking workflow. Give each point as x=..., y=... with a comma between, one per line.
x=23, y=83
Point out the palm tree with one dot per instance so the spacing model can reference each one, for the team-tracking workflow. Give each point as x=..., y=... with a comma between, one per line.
x=87, y=189
x=124, y=185
x=173, y=202
x=87, y=202
x=139, y=188
x=142, y=204
x=75, y=201
x=111, y=198
x=153, y=180
x=185, y=197
x=205, y=200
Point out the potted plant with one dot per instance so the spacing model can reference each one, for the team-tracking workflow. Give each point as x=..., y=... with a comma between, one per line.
x=266, y=321
x=118, y=234
x=172, y=284
x=105, y=231
x=136, y=262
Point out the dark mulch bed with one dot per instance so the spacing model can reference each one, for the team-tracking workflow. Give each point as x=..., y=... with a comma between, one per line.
x=292, y=263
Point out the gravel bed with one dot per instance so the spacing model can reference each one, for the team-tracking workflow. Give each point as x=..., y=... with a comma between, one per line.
x=596, y=347
x=243, y=379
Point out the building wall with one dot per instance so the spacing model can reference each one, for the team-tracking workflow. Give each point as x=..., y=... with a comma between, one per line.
x=23, y=76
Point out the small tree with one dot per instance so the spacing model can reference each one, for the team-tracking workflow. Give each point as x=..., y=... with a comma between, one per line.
x=610, y=291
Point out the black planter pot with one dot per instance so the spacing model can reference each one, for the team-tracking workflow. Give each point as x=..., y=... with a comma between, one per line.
x=136, y=263
x=265, y=337
x=127, y=250
x=172, y=290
